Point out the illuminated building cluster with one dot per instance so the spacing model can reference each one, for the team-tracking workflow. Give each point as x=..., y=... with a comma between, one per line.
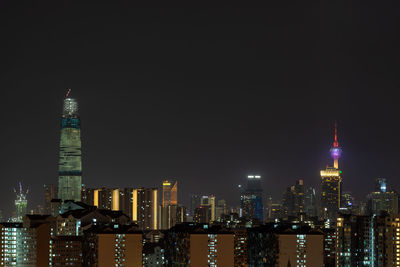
x=147, y=226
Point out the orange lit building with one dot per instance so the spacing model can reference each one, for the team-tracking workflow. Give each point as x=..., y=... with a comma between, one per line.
x=169, y=193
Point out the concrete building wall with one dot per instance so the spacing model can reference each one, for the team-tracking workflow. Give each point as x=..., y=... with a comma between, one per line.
x=307, y=249
x=106, y=250
x=225, y=250
x=133, y=249
x=287, y=250
x=198, y=250
x=314, y=248
x=42, y=245
x=127, y=247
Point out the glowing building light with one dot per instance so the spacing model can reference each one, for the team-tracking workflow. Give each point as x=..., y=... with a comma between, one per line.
x=115, y=199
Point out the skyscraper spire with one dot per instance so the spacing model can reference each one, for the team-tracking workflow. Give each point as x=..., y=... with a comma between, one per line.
x=68, y=92
x=335, y=143
x=336, y=151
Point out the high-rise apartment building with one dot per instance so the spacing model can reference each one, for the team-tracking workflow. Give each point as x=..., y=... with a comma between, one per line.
x=27, y=243
x=386, y=246
x=331, y=184
x=120, y=245
x=50, y=192
x=10, y=236
x=293, y=201
x=70, y=155
x=87, y=195
x=170, y=215
x=284, y=245
x=145, y=208
x=199, y=245
x=354, y=244
x=110, y=198
x=66, y=251
x=103, y=198
x=251, y=199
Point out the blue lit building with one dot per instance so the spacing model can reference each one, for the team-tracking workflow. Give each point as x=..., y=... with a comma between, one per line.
x=70, y=157
x=251, y=199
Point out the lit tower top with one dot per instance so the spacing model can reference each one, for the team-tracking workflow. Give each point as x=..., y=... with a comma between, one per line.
x=70, y=108
x=336, y=151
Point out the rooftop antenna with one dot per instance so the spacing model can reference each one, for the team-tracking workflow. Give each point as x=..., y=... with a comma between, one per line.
x=68, y=92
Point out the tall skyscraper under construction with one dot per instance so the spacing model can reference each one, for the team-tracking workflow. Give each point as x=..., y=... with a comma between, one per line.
x=331, y=184
x=70, y=157
x=20, y=203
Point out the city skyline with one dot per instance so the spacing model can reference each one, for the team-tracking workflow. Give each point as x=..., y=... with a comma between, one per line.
x=335, y=153
x=207, y=95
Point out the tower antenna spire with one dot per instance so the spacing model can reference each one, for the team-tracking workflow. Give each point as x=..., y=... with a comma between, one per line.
x=336, y=150
x=336, y=142
x=68, y=92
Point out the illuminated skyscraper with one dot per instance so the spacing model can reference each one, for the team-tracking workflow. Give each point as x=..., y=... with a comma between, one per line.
x=169, y=193
x=380, y=185
x=251, y=199
x=70, y=158
x=382, y=199
x=20, y=204
x=331, y=184
x=169, y=212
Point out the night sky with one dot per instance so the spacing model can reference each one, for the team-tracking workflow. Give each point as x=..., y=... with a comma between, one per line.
x=202, y=95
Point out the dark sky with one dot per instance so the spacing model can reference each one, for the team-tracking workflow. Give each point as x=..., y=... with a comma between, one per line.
x=203, y=95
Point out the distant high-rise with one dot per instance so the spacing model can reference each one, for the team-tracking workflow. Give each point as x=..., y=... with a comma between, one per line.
x=145, y=208
x=169, y=193
x=220, y=209
x=20, y=203
x=50, y=192
x=293, y=199
x=169, y=212
x=195, y=202
x=87, y=195
x=380, y=185
x=70, y=158
x=251, y=199
x=382, y=199
x=310, y=202
x=331, y=184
